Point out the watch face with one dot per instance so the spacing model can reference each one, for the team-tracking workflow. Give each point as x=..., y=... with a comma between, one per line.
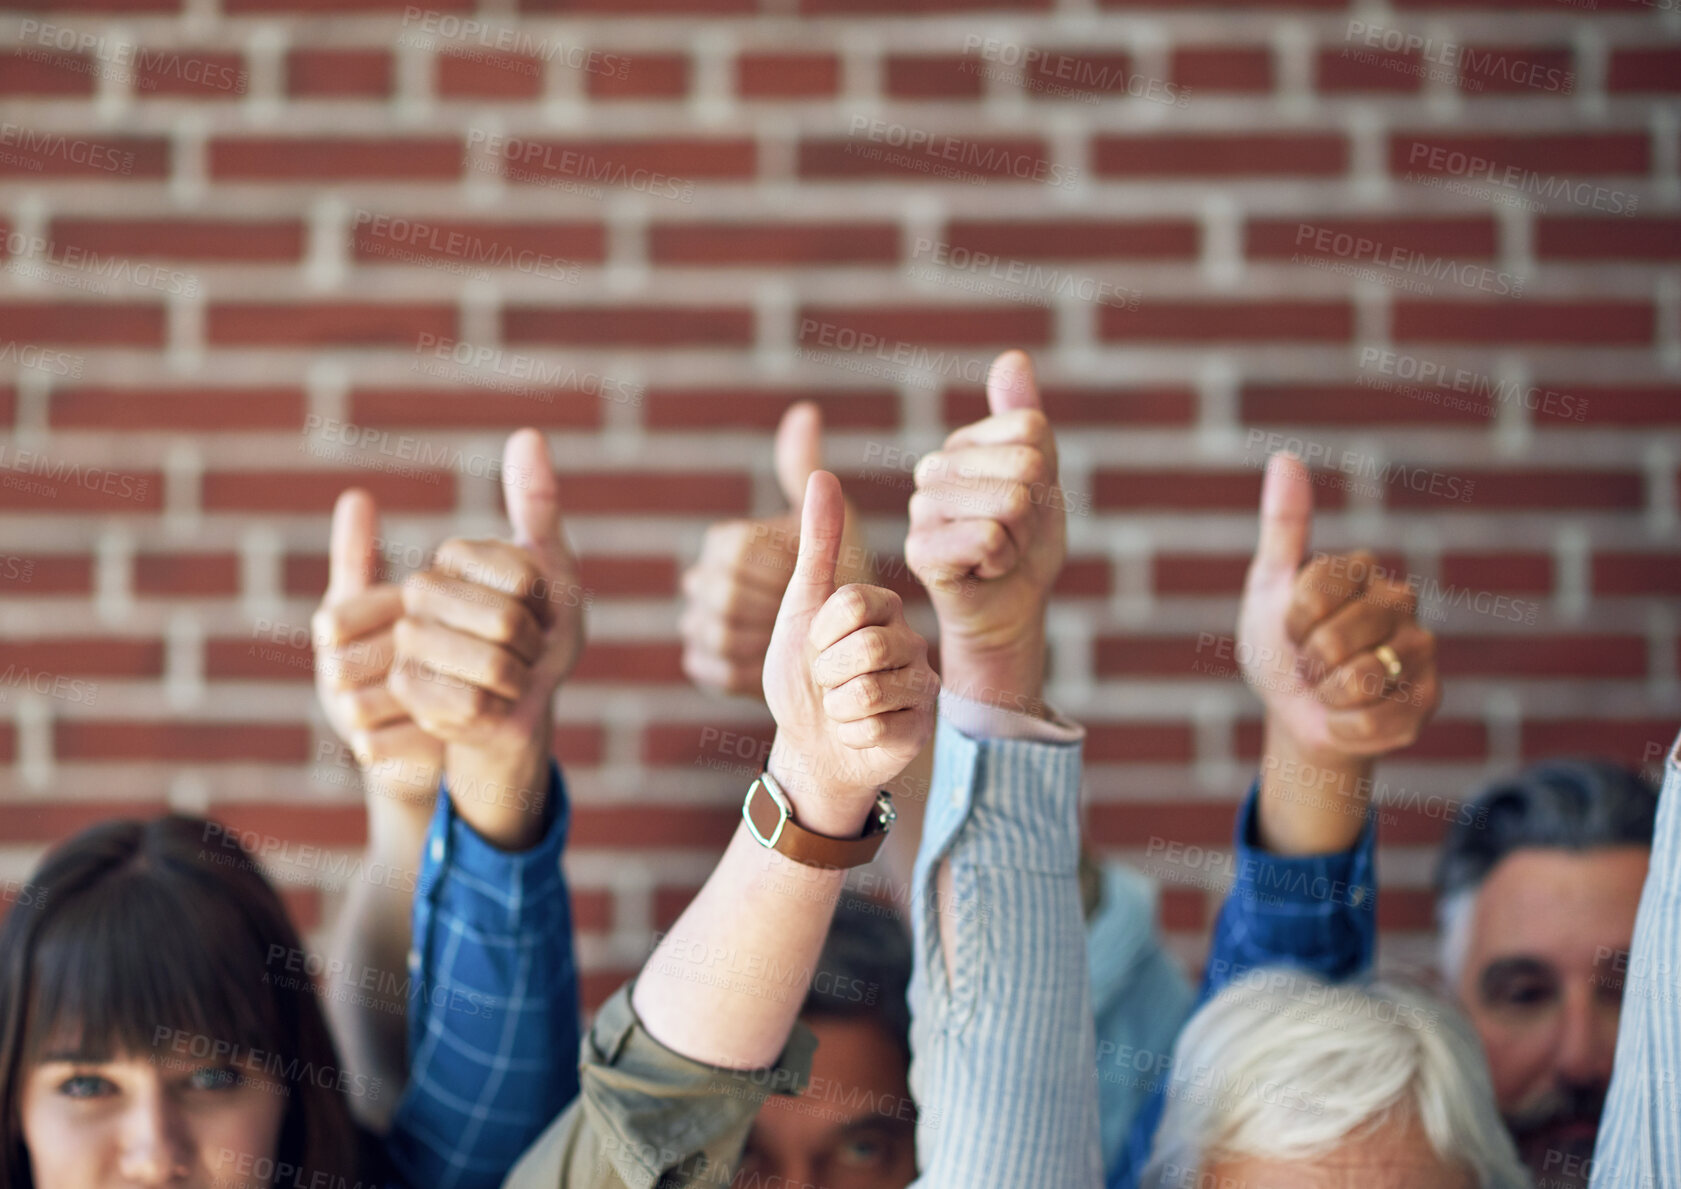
x=765, y=813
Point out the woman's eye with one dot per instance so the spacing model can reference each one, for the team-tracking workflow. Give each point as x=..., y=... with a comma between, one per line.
x=215, y=1077
x=86, y=1085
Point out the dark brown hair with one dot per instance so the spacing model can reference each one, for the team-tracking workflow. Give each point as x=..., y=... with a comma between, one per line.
x=135, y=930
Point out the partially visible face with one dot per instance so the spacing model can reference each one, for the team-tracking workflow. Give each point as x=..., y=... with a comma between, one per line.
x=131, y=1122
x=853, y=1128
x=1543, y=983
x=1397, y=1155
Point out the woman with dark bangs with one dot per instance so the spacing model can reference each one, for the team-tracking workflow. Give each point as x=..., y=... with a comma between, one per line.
x=139, y=1017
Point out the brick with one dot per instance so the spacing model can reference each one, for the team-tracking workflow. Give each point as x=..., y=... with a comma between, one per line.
x=27, y=152
x=773, y=244
x=662, y=166
x=1072, y=73
x=669, y=904
x=641, y=76
x=1525, y=489
x=172, y=742
x=133, y=324
x=614, y=576
x=787, y=76
x=1651, y=68
x=1191, y=490
x=550, y=249
x=259, y=658
x=1344, y=69
x=592, y=910
x=1517, y=572
x=835, y=327
x=1069, y=406
x=332, y=8
x=53, y=484
x=1642, y=240
x=698, y=745
x=255, y=825
x=1234, y=69
x=1606, y=6
x=186, y=575
x=484, y=74
x=911, y=7
x=275, y=324
x=1636, y=742
x=1471, y=237
x=932, y=76
x=641, y=7
x=945, y=158
x=196, y=75
x=203, y=410
x=1406, y=908
x=476, y=408
x=1171, y=657
x=1618, y=573
x=1084, y=578
x=208, y=240
x=616, y=662
x=1537, y=70
x=36, y=70
x=1199, y=574
x=1532, y=161
x=1443, y=740
x=338, y=74
x=1595, y=405
x=1183, y=909
x=1604, y=322
x=664, y=493
x=1581, y=656
x=1131, y=823
x=761, y=409
x=36, y=575
x=313, y=492
x=304, y=574
x=87, y=656
x=1228, y=321
x=1355, y=404
x=1076, y=239
x=599, y=325
x=58, y=819
x=1183, y=154
x=1139, y=743
x=304, y=160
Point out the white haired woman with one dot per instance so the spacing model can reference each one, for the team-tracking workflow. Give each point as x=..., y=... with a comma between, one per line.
x=1283, y=1081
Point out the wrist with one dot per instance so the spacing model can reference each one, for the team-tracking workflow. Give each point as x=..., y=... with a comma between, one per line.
x=1313, y=799
x=1009, y=675
x=819, y=804
x=501, y=792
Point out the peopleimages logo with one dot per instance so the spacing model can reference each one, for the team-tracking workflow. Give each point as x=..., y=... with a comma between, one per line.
x=1470, y=166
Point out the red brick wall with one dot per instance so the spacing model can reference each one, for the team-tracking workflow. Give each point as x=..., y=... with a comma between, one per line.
x=233, y=230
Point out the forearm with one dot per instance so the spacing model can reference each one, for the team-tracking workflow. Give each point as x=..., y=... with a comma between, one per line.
x=726, y=983
x=371, y=944
x=1312, y=803
x=500, y=792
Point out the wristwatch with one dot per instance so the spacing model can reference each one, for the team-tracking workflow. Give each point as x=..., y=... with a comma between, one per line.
x=770, y=819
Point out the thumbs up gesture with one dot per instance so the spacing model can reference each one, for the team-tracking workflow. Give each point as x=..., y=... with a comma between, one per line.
x=1332, y=647
x=486, y=635
x=353, y=636
x=988, y=507
x=846, y=679
x=732, y=592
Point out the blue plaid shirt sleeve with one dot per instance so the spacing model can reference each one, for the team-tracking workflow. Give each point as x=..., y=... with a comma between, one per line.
x=493, y=1004
x=1310, y=912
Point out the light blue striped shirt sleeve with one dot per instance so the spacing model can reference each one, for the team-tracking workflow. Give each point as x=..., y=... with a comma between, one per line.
x=1640, y=1132
x=1003, y=1052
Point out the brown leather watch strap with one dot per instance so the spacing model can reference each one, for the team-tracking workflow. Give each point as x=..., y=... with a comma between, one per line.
x=770, y=819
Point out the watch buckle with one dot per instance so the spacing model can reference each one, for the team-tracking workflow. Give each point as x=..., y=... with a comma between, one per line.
x=784, y=811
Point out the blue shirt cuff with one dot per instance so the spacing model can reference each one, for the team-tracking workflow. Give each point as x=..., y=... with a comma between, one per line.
x=493, y=889
x=1343, y=876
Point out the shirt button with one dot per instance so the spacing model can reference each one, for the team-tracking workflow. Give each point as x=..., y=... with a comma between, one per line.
x=414, y=961
x=1356, y=897
x=437, y=850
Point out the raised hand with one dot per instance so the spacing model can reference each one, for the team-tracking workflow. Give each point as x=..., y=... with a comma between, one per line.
x=353, y=636
x=1319, y=641
x=732, y=592
x=846, y=679
x=487, y=634
x=988, y=507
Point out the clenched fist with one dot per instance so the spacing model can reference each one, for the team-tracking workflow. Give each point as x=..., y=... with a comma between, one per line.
x=1332, y=647
x=487, y=634
x=731, y=594
x=988, y=507
x=353, y=635
x=846, y=679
